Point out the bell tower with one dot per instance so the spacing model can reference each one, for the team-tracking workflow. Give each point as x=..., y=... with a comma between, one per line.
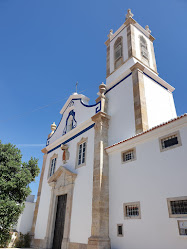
x=130, y=44
x=137, y=97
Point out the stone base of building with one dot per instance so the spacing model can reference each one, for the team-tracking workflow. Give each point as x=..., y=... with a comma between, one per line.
x=98, y=243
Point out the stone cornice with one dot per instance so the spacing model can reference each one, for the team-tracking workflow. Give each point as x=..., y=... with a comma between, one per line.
x=130, y=20
x=100, y=115
x=137, y=66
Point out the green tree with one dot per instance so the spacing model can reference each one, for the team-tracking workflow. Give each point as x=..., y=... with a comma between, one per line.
x=15, y=177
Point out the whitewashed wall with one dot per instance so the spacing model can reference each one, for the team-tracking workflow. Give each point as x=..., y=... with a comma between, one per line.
x=121, y=110
x=159, y=102
x=25, y=220
x=151, y=179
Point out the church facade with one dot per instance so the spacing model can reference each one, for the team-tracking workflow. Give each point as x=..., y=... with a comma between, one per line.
x=114, y=173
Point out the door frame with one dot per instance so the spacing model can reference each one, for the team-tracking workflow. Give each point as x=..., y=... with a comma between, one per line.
x=61, y=183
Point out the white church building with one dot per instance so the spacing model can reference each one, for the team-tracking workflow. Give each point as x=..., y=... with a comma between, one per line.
x=114, y=174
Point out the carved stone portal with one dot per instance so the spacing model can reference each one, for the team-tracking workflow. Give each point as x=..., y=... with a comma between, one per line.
x=61, y=183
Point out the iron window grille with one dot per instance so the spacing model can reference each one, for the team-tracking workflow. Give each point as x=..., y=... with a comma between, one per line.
x=177, y=207
x=129, y=155
x=170, y=141
x=132, y=210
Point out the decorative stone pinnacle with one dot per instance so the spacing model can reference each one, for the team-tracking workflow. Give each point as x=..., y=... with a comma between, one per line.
x=102, y=88
x=147, y=29
x=53, y=126
x=110, y=33
x=129, y=14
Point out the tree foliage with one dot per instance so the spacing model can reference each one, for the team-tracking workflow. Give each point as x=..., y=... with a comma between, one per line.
x=15, y=177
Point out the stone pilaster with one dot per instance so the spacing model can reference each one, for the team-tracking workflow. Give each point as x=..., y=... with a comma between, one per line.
x=130, y=38
x=153, y=57
x=108, y=60
x=38, y=196
x=140, y=109
x=100, y=200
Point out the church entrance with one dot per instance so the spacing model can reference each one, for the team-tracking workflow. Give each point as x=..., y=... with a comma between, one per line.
x=60, y=220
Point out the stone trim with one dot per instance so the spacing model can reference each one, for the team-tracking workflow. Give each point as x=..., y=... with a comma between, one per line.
x=131, y=41
x=83, y=140
x=73, y=245
x=169, y=207
x=108, y=60
x=140, y=109
x=153, y=57
x=62, y=182
x=100, y=200
x=38, y=198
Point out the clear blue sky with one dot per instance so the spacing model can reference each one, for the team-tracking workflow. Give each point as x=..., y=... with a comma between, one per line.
x=47, y=45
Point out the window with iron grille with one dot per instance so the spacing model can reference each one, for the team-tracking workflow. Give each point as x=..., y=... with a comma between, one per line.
x=120, y=230
x=128, y=155
x=177, y=207
x=132, y=210
x=171, y=141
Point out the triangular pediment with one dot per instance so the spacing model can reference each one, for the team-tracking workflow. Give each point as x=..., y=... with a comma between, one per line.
x=62, y=171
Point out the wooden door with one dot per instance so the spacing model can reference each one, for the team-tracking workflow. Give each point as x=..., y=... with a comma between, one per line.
x=59, y=222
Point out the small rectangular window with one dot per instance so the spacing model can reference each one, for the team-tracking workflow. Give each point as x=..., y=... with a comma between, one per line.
x=81, y=153
x=170, y=141
x=182, y=224
x=120, y=230
x=52, y=167
x=129, y=155
x=177, y=207
x=132, y=210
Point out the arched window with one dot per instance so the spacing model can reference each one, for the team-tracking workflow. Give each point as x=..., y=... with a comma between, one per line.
x=143, y=46
x=118, y=52
x=70, y=123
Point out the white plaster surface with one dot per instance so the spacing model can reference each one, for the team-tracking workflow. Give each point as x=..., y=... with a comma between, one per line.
x=159, y=102
x=121, y=110
x=152, y=178
x=25, y=220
